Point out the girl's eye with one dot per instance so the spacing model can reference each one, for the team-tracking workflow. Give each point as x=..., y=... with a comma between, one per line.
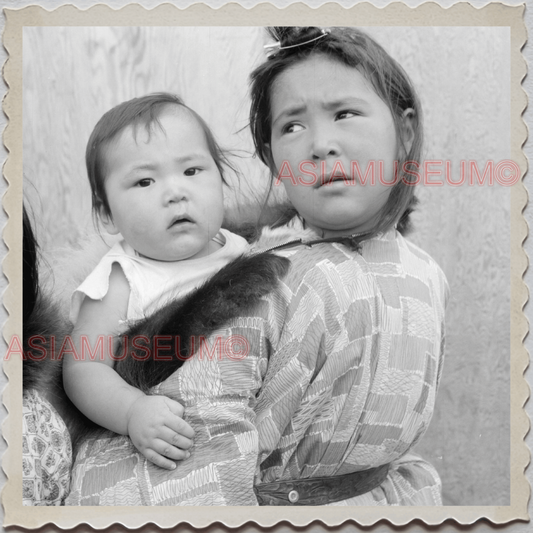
x=292, y=128
x=346, y=114
x=145, y=182
x=192, y=171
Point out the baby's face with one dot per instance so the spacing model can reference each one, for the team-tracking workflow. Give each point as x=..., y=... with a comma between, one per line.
x=164, y=189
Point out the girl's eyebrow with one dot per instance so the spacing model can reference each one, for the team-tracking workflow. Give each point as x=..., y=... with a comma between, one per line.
x=328, y=105
x=339, y=102
x=289, y=112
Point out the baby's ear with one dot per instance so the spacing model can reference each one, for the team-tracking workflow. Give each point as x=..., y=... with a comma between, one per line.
x=407, y=129
x=107, y=221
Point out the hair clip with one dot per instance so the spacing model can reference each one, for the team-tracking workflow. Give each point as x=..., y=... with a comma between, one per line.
x=273, y=48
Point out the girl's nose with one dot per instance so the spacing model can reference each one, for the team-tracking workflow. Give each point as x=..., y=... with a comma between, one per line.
x=324, y=145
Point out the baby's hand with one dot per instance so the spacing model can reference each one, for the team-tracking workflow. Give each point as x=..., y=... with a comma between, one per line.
x=158, y=431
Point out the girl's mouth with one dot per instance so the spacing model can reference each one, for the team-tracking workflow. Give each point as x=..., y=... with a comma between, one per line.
x=330, y=180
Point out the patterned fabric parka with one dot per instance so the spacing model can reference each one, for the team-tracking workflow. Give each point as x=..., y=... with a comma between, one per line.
x=337, y=372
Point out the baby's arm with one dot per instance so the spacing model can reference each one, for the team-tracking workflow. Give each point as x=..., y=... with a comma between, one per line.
x=153, y=423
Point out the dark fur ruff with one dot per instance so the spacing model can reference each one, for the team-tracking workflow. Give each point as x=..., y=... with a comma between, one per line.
x=42, y=371
x=229, y=293
x=42, y=368
x=41, y=318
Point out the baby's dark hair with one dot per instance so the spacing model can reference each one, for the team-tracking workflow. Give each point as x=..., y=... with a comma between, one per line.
x=144, y=111
x=353, y=48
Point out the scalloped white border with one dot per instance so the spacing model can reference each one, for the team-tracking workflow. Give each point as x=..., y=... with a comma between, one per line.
x=397, y=14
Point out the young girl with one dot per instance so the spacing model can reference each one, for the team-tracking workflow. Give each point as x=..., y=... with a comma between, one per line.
x=156, y=177
x=345, y=354
x=362, y=350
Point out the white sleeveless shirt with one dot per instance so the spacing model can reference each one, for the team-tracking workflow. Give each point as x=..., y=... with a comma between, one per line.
x=155, y=283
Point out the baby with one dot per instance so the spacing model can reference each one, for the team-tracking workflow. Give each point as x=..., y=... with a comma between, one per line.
x=156, y=174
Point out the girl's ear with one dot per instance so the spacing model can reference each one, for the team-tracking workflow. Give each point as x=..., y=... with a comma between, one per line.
x=407, y=130
x=107, y=221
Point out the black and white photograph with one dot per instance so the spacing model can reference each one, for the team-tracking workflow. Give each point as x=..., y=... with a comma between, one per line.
x=267, y=265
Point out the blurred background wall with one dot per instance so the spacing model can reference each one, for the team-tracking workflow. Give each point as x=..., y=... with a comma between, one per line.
x=72, y=75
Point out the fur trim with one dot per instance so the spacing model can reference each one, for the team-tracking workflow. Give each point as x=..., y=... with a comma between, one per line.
x=232, y=290
x=41, y=371
x=44, y=323
x=270, y=237
x=41, y=323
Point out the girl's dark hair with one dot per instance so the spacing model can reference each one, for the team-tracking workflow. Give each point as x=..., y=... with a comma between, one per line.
x=144, y=111
x=353, y=48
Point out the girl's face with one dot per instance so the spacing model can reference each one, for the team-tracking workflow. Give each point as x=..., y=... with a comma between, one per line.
x=326, y=120
x=164, y=189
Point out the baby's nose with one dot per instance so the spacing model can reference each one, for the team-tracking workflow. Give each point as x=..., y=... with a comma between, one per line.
x=174, y=192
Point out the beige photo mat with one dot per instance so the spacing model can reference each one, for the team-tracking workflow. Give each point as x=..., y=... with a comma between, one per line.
x=462, y=15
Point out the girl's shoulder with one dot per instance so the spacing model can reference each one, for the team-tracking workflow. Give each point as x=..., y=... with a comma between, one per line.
x=393, y=248
x=334, y=267
x=419, y=265
x=386, y=254
x=415, y=257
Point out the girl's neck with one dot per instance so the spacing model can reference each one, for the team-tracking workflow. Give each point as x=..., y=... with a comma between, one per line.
x=348, y=232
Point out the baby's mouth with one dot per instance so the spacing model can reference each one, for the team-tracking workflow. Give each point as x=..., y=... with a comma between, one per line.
x=179, y=220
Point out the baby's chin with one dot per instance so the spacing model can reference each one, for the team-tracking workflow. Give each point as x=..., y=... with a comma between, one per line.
x=186, y=253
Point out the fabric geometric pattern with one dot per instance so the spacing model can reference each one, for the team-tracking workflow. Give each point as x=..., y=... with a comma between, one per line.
x=46, y=452
x=341, y=375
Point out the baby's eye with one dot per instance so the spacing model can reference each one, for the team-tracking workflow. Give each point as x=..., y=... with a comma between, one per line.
x=292, y=128
x=144, y=182
x=192, y=171
x=346, y=114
